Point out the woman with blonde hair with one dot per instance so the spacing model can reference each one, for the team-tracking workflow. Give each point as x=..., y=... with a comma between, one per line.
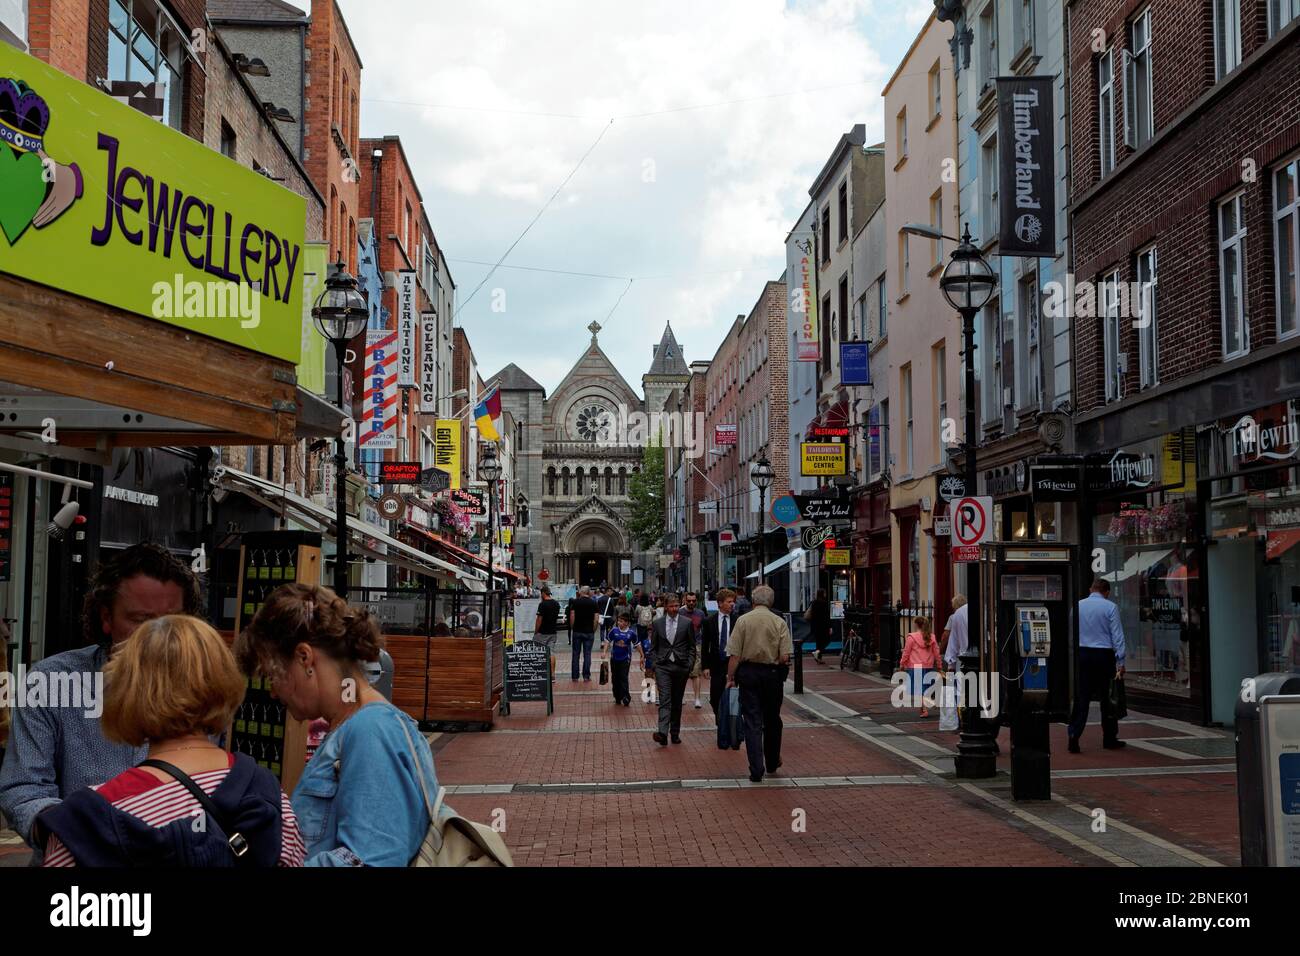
x=174, y=685
x=920, y=659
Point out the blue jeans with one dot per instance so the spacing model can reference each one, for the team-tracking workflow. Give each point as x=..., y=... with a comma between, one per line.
x=582, y=647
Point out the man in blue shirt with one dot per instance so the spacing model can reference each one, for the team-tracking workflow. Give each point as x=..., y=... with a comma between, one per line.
x=58, y=748
x=1101, y=659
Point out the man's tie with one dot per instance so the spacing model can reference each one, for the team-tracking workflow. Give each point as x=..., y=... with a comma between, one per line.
x=722, y=642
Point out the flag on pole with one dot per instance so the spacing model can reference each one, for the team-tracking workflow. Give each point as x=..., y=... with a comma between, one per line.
x=487, y=413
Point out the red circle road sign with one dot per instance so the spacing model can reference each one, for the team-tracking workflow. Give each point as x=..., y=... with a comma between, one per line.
x=970, y=521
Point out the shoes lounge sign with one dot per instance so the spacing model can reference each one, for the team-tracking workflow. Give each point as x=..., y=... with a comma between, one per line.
x=99, y=200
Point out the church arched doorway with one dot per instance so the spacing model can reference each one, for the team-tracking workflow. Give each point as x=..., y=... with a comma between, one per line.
x=596, y=547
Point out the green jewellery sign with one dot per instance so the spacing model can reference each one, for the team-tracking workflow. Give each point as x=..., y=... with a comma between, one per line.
x=99, y=200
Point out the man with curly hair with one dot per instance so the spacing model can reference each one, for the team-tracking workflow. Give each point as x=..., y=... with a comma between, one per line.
x=56, y=748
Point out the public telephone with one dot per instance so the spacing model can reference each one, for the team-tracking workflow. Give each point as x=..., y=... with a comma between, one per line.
x=1034, y=626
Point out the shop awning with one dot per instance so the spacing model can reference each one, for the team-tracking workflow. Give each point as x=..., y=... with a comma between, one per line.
x=308, y=512
x=779, y=563
x=468, y=557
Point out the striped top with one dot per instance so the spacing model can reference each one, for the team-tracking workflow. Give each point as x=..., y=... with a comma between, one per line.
x=160, y=802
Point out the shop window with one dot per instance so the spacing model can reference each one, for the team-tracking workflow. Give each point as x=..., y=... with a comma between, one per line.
x=1286, y=232
x=1232, y=272
x=145, y=45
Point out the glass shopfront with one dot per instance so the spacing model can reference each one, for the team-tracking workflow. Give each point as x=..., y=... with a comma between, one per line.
x=1146, y=542
x=1254, y=563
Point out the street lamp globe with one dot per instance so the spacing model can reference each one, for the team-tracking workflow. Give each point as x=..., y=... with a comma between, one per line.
x=762, y=474
x=968, y=281
x=489, y=466
x=340, y=311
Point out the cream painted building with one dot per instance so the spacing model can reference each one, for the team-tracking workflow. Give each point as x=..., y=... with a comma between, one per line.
x=924, y=360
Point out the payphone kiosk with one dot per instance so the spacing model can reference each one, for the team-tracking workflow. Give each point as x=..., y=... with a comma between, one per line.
x=1031, y=623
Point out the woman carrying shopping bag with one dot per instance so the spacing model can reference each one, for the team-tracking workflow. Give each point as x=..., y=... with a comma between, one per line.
x=920, y=659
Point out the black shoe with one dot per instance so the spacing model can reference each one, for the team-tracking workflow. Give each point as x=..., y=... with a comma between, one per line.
x=774, y=769
x=660, y=739
x=755, y=778
x=676, y=739
x=1115, y=745
x=1074, y=745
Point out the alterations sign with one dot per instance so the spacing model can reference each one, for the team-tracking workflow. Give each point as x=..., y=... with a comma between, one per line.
x=406, y=329
x=825, y=460
x=1027, y=179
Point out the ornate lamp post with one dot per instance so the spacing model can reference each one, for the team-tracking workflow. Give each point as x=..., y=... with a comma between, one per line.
x=489, y=470
x=340, y=314
x=761, y=475
x=968, y=283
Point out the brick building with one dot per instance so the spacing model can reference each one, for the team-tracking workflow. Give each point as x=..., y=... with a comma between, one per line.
x=721, y=460
x=1185, y=131
x=684, y=484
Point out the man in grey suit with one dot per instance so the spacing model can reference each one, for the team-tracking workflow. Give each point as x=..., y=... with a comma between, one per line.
x=673, y=650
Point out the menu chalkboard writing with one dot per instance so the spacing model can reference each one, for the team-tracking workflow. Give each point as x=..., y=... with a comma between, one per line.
x=528, y=671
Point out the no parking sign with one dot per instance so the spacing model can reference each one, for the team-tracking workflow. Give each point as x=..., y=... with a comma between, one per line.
x=972, y=525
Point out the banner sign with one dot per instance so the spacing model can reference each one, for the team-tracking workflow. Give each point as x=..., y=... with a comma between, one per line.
x=724, y=434
x=472, y=500
x=823, y=460
x=837, y=557
x=100, y=201
x=429, y=362
x=399, y=472
x=446, y=448
x=808, y=349
x=433, y=481
x=785, y=510
x=827, y=431
x=378, y=425
x=406, y=329
x=855, y=363
x=1027, y=157
x=813, y=508
x=813, y=536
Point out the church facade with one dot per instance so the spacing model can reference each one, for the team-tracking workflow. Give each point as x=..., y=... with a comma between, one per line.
x=579, y=492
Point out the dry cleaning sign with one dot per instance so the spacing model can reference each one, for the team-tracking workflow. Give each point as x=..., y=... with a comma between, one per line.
x=1027, y=194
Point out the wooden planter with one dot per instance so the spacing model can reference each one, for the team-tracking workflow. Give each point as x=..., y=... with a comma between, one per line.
x=446, y=678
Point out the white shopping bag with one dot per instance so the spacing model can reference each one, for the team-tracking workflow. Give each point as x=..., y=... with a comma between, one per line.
x=948, y=706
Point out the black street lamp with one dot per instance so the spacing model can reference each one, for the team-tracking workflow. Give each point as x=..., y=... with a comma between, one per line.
x=968, y=283
x=761, y=475
x=340, y=314
x=489, y=470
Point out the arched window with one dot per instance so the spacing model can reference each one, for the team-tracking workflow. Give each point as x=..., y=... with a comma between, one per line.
x=550, y=481
x=609, y=481
x=564, y=480
x=622, y=481
x=595, y=481
x=581, y=475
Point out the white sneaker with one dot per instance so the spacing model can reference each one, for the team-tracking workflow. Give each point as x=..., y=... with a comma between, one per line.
x=698, y=705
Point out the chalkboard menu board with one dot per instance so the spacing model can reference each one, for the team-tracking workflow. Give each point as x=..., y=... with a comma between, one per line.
x=528, y=672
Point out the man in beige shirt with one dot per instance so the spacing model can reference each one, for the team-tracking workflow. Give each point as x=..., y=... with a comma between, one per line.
x=758, y=659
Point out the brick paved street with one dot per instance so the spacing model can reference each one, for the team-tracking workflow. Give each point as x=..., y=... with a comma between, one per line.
x=588, y=786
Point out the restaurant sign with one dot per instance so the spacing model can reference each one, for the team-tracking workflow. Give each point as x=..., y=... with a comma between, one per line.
x=99, y=200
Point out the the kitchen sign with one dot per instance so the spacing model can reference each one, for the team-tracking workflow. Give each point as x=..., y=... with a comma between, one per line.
x=101, y=201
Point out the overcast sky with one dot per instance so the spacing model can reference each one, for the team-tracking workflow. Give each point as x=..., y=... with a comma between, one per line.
x=693, y=204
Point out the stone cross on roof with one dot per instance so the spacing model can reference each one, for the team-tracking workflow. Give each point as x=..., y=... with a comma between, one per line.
x=593, y=329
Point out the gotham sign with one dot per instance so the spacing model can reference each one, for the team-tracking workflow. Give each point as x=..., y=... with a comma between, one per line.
x=1027, y=193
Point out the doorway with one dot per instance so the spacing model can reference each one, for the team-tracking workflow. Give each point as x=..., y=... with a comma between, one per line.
x=592, y=568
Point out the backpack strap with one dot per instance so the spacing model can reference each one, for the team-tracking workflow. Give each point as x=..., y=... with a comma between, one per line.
x=235, y=840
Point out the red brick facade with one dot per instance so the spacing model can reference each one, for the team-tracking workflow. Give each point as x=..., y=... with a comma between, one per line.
x=331, y=136
x=1210, y=140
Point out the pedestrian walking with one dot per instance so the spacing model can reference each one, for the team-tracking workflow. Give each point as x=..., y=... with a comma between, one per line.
x=920, y=660
x=172, y=687
x=673, y=653
x=55, y=750
x=622, y=637
x=1101, y=660
x=713, y=646
x=607, y=619
x=743, y=603
x=548, y=617
x=697, y=616
x=956, y=638
x=583, y=615
x=758, y=660
x=818, y=616
x=360, y=801
x=645, y=616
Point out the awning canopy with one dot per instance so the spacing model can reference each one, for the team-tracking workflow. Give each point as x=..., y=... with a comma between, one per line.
x=469, y=557
x=779, y=562
x=312, y=514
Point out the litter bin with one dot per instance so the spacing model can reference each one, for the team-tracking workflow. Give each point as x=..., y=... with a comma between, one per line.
x=1252, y=815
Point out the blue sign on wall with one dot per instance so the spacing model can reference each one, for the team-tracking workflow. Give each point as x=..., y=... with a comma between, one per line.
x=785, y=510
x=855, y=363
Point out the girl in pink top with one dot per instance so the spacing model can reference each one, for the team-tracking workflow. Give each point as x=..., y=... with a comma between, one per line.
x=920, y=657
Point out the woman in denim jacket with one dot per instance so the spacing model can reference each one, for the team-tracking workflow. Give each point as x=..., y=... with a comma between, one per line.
x=359, y=801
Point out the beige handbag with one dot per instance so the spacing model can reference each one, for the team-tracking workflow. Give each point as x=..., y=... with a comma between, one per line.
x=451, y=839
